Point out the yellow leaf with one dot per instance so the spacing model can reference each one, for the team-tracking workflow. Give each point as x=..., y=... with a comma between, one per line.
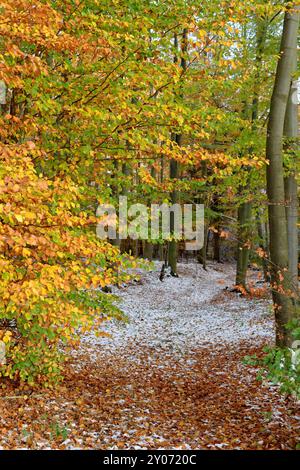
x=19, y=218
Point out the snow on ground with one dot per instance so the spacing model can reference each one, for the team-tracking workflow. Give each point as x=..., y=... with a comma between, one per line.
x=173, y=377
x=181, y=314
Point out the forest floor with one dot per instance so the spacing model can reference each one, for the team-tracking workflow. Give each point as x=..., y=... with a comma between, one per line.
x=173, y=377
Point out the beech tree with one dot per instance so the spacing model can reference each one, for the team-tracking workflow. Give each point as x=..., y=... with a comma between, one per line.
x=285, y=309
x=291, y=148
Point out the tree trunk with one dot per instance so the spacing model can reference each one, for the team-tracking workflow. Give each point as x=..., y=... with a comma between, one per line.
x=263, y=244
x=216, y=246
x=244, y=218
x=202, y=255
x=148, y=250
x=115, y=193
x=174, y=166
x=161, y=252
x=148, y=246
x=291, y=132
x=291, y=190
x=244, y=211
x=281, y=280
x=172, y=250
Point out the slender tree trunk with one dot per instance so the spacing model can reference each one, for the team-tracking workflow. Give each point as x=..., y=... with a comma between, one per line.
x=172, y=250
x=216, y=247
x=291, y=190
x=161, y=252
x=148, y=250
x=280, y=277
x=245, y=210
x=148, y=247
x=291, y=132
x=115, y=192
x=263, y=244
x=174, y=166
x=202, y=255
x=203, y=252
x=244, y=218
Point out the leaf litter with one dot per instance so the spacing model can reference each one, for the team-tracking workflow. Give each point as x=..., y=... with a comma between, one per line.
x=173, y=377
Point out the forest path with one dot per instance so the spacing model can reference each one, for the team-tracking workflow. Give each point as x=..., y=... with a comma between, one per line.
x=172, y=378
x=181, y=314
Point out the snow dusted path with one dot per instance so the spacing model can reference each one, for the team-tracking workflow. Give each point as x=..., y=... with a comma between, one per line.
x=181, y=314
x=173, y=377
